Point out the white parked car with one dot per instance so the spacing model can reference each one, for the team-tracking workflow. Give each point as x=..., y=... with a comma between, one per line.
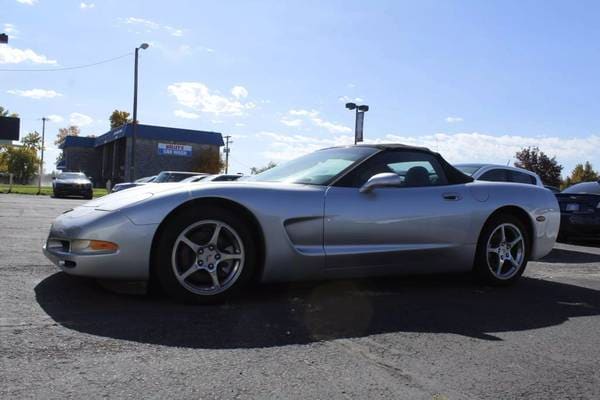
x=499, y=173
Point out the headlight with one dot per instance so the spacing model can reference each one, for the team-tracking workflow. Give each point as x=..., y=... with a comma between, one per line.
x=93, y=247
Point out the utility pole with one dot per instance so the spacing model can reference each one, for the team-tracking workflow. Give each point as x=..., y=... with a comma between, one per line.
x=42, y=158
x=226, y=151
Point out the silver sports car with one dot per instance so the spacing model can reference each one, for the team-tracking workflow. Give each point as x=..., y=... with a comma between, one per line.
x=338, y=212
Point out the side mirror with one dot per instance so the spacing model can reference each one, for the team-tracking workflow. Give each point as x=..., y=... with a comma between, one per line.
x=385, y=179
x=53, y=178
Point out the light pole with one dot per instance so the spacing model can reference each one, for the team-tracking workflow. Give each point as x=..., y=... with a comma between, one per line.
x=359, y=121
x=42, y=157
x=143, y=46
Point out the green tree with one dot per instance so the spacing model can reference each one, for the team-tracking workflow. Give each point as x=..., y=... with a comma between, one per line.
x=5, y=113
x=32, y=140
x=548, y=169
x=258, y=170
x=118, y=118
x=209, y=162
x=581, y=173
x=21, y=161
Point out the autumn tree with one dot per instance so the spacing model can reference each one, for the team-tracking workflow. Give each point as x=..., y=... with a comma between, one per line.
x=72, y=130
x=22, y=161
x=581, y=173
x=532, y=159
x=209, y=162
x=258, y=170
x=118, y=118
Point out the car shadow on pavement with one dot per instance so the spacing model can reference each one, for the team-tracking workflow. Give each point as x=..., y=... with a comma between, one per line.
x=278, y=315
x=567, y=256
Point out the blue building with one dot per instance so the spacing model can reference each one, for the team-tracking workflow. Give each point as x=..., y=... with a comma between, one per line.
x=157, y=148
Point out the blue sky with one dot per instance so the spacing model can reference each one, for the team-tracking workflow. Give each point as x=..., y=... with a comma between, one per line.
x=475, y=80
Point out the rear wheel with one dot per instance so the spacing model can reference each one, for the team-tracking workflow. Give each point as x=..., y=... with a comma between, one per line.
x=205, y=256
x=502, y=250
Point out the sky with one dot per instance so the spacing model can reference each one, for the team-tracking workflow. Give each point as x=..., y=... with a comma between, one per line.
x=474, y=80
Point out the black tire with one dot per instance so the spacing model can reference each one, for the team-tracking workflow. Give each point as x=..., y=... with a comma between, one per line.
x=483, y=259
x=163, y=269
x=55, y=195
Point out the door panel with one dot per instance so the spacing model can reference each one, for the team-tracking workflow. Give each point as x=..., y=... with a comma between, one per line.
x=412, y=229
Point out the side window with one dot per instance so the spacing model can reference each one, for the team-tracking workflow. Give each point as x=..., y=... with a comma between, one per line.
x=494, y=175
x=520, y=177
x=414, y=168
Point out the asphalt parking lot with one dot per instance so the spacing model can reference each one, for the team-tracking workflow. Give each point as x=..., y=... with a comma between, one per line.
x=440, y=337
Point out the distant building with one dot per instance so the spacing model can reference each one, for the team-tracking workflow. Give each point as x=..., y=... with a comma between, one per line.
x=157, y=148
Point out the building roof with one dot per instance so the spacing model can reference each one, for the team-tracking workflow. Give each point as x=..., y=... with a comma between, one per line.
x=147, y=132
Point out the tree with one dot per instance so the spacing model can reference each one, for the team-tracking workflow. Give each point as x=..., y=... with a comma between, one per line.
x=548, y=169
x=64, y=132
x=209, y=162
x=5, y=113
x=581, y=173
x=258, y=170
x=21, y=161
x=32, y=140
x=118, y=118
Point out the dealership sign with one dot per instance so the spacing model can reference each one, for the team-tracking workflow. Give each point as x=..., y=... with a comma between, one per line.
x=169, y=149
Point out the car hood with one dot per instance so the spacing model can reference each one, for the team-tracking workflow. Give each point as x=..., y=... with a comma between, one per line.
x=151, y=191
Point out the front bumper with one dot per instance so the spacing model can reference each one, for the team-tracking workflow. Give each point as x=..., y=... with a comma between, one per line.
x=130, y=262
x=73, y=191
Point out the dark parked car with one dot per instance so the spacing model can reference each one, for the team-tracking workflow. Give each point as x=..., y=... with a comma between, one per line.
x=72, y=184
x=580, y=211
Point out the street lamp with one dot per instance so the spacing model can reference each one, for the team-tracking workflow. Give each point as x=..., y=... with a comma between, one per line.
x=360, y=118
x=143, y=46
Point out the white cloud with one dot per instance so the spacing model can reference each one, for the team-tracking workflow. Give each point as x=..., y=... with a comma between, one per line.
x=11, y=30
x=283, y=147
x=314, y=117
x=55, y=118
x=85, y=6
x=152, y=25
x=348, y=99
x=174, y=31
x=452, y=120
x=80, y=119
x=185, y=114
x=197, y=96
x=239, y=92
x=146, y=23
x=28, y=2
x=12, y=55
x=291, y=122
x=35, y=93
x=240, y=124
x=456, y=148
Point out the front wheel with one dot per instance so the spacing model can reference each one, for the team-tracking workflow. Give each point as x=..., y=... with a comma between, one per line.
x=502, y=251
x=205, y=256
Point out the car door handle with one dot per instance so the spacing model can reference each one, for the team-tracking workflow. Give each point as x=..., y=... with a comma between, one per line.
x=451, y=196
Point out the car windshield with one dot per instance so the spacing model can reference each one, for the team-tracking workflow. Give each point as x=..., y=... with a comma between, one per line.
x=584, y=188
x=72, y=175
x=468, y=169
x=316, y=168
x=171, y=177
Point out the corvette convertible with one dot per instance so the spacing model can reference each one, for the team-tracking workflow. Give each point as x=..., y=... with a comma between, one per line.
x=340, y=212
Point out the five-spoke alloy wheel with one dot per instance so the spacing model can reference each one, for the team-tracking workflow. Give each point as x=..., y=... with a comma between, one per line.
x=502, y=251
x=204, y=254
x=208, y=257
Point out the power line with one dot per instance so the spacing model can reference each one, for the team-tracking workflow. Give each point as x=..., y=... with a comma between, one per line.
x=65, y=68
